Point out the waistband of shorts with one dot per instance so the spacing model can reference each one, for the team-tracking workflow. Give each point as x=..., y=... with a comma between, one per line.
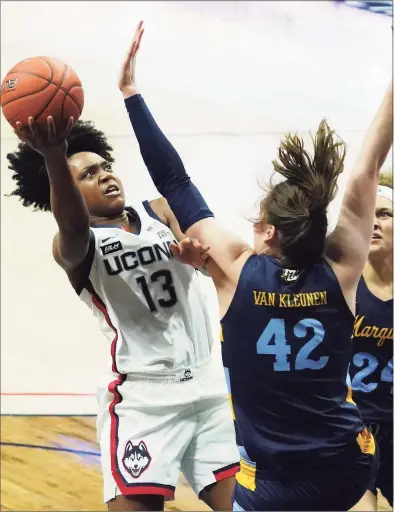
x=182, y=374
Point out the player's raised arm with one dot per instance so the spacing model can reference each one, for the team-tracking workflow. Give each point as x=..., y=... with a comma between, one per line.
x=171, y=180
x=71, y=243
x=349, y=244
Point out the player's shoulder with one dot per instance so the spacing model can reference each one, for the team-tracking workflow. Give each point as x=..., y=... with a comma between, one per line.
x=154, y=208
x=160, y=208
x=160, y=203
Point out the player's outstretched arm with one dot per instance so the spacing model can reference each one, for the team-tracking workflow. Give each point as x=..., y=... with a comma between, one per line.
x=227, y=252
x=71, y=243
x=349, y=244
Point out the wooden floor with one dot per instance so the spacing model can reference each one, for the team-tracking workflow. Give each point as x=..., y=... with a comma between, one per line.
x=34, y=477
x=38, y=473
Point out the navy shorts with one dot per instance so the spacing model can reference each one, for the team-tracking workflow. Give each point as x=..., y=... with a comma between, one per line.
x=383, y=434
x=331, y=492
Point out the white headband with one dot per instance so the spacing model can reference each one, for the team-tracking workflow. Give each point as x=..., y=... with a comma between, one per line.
x=386, y=192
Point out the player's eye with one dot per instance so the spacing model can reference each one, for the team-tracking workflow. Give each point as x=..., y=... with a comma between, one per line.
x=89, y=173
x=107, y=167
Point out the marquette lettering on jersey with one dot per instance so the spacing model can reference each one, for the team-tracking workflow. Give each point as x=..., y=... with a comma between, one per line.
x=374, y=332
x=371, y=368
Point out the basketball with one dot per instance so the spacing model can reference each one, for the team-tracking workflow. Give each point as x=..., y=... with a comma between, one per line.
x=39, y=87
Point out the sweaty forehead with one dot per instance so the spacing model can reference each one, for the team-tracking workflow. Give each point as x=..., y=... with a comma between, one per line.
x=84, y=159
x=383, y=202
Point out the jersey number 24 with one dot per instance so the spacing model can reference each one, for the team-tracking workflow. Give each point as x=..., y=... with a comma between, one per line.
x=371, y=365
x=273, y=341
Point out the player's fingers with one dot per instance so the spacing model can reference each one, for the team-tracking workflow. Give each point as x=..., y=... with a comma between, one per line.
x=32, y=127
x=138, y=30
x=175, y=249
x=197, y=245
x=125, y=73
x=138, y=41
x=20, y=131
x=131, y=53
x=68, y=128
x=25, y=135
x=51, y=129
x=185, y=241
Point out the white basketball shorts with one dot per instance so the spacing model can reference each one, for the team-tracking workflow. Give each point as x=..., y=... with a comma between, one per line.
x=150, y=429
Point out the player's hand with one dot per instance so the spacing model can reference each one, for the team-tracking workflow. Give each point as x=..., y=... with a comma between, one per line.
x=45, y=143
x=127, y=83
x=190, y=252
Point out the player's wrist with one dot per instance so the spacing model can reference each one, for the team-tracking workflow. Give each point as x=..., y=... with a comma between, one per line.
x=55, y=153
x=129, y=91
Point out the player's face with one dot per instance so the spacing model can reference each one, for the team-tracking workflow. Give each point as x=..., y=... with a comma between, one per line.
x=100, y=187
x=382, y=238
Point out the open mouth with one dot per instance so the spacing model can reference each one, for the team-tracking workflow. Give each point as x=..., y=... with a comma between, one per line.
x=112, y=190
x=376, y=237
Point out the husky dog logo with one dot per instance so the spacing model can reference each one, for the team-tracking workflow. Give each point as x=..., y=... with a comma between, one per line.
x=187, y=375
x=136, y=458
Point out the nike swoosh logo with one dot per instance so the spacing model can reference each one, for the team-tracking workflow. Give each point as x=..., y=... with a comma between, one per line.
x=106, y=239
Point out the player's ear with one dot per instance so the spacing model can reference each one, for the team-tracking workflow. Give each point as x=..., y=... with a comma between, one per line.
x=142, y=446
x=271, y=232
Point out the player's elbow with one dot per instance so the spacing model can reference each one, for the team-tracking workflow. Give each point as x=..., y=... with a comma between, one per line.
x=69, y=250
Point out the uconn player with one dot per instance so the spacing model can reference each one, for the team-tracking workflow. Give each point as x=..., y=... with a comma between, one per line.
x=371, y=369
x=287, y=311
x=163, y=407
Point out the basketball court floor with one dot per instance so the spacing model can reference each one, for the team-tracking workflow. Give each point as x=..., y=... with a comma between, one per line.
x=52, y=463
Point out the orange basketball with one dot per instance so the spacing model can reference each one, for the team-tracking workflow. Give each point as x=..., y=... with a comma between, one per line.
x=39, y=87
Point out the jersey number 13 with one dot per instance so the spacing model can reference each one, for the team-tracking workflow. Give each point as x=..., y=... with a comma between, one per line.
x=169, y=297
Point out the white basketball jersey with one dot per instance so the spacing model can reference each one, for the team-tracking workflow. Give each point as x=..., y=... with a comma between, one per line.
x=150, y=306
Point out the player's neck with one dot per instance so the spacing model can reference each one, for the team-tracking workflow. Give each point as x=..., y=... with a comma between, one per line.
x=379, y=273
x=120, y=220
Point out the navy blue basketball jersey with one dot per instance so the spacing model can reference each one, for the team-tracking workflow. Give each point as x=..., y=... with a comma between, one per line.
x=287, y=345
x=371, y=369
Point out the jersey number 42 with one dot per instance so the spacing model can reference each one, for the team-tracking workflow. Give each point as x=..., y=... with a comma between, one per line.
x=273, y=341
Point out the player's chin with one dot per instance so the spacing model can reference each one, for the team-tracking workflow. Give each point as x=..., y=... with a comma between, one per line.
x=114, y=204
x=114, y=200
x=376, y=248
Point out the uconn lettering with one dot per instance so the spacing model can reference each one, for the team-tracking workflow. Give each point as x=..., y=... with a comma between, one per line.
x=144, y=256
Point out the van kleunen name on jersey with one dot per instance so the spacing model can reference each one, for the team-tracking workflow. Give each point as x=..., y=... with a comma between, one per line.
x=289, y=300
x=144, y=256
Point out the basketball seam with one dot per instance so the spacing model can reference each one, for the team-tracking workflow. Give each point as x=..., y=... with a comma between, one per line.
x=67, y=95
x=66, y=91
x=57, y=89
x=49, y=81
x=31, y=93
